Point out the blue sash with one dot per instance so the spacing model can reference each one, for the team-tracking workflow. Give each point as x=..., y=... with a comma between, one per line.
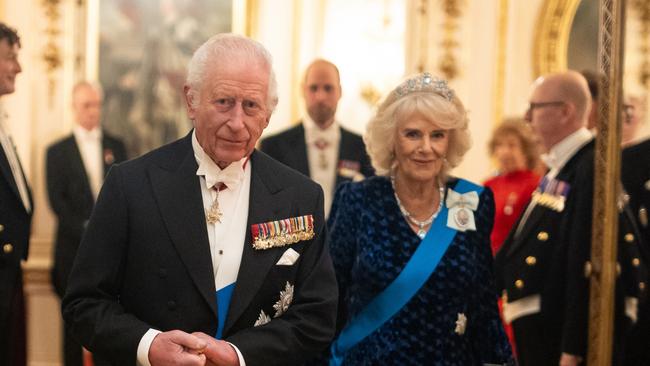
x=223, y=303
x=414, y=275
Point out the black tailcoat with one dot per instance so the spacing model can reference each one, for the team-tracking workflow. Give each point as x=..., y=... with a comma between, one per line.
x=71, y=198
x=15, y=225
x=145, y=263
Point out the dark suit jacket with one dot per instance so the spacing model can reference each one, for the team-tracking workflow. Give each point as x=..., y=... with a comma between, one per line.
x=15, y=224
x=144, y=262
x=71, y=199
x=289, y=148
x=635, y=174
x=560, y=242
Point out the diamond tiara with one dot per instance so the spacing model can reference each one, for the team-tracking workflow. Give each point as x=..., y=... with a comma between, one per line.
x=425, y=82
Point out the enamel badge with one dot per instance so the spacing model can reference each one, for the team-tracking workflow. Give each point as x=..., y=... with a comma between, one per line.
x=461, y=210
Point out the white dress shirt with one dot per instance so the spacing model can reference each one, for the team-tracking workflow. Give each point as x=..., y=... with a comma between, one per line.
x=226, y=237
x=89, y=143
x=323, y=161
x=12, y=156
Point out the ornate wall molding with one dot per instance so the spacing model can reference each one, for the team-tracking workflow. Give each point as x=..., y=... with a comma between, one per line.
x=641, y=9
x=552, y=36
x=502, y=45
x=423, y=54
x=448, y=63
x=51, y=52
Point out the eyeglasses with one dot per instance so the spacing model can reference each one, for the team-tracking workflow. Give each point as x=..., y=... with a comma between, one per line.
x=532, y=106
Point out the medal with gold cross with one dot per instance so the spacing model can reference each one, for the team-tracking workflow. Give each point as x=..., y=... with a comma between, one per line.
x=214, y=214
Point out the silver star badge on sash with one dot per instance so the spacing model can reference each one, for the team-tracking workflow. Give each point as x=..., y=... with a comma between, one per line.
x=262, y=319
x=461, y=324
x=282, y=305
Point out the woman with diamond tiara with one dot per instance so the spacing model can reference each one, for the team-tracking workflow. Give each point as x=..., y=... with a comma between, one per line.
x=411, y=247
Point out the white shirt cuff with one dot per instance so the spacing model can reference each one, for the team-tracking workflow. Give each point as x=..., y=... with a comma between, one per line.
x=144, y=345
x=239, y=355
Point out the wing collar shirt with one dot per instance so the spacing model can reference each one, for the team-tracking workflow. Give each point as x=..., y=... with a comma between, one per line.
x=12, y=156
x=322, y=156
x=89, y=143
x=227, y=236
x=564, y=150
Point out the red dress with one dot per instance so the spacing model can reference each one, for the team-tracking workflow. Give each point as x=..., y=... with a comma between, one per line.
x=512, y=192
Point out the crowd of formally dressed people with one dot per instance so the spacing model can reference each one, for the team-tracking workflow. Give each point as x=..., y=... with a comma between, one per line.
x=323, y=247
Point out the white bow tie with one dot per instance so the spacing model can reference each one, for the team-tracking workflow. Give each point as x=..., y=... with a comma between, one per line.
x=231, y=176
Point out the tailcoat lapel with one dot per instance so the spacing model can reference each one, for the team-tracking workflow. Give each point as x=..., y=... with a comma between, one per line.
x=300, y=151
x=78, y=167
x=6, y=171
x=267, y=203
x=178, y=193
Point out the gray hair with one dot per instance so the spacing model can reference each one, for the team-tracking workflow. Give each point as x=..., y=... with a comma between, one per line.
x=225, y=47
x=432, y=105
x=90, y=85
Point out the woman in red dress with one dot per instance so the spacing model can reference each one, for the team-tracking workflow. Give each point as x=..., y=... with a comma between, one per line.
x=514, y=148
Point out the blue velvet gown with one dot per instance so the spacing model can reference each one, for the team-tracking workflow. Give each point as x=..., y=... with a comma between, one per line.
x=370, y=243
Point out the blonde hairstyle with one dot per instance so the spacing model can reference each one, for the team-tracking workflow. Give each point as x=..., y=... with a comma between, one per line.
x=438, y=105
x=515, y=126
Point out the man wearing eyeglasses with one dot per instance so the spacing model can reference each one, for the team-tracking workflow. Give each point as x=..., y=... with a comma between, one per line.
x=543, y=267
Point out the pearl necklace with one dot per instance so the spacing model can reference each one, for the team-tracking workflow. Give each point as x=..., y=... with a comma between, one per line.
x=420, y=224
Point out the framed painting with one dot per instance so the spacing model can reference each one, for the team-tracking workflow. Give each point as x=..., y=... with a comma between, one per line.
x=143, y=52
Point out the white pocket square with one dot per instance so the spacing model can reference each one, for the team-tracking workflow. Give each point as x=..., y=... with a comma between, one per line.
x=289, y=257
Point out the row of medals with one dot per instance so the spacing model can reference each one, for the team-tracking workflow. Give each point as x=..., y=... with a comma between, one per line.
x=282, y=239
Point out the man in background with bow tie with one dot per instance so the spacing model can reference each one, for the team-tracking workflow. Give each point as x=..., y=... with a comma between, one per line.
x=16, y=209
x=206, y=251
x=319, y=147
x=75, y=167
x=543, y=268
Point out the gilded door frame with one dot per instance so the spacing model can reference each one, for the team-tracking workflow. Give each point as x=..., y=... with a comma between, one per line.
x=552, y=35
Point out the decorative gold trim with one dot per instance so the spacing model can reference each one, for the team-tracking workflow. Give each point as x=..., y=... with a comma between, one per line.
x=502, y=44
x=252, y=18
x=296, y=90
x=641, y=8
x=51, y=52
x=423, y=10
x=607, y=155
x=552, y=36
x=245, y=17
x=448, y=63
